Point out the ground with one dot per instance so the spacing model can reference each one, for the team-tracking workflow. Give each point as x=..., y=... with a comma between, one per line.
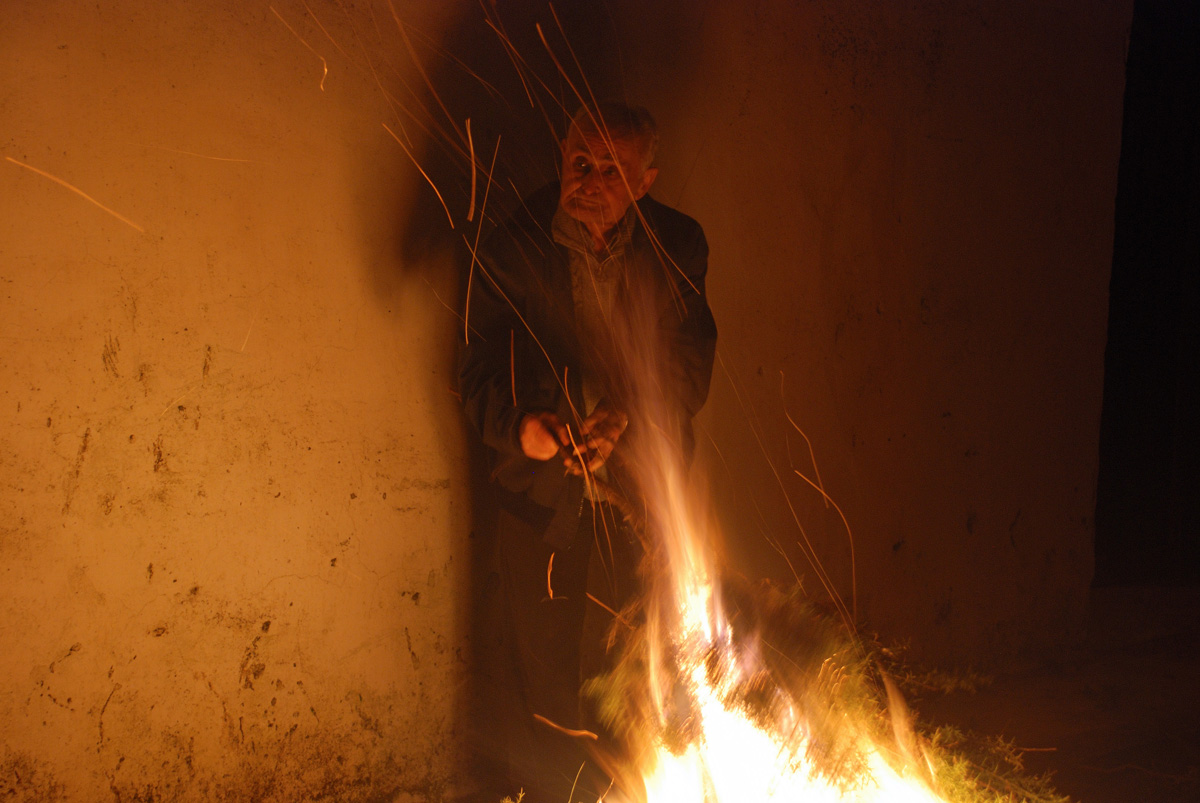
x=1117, y=720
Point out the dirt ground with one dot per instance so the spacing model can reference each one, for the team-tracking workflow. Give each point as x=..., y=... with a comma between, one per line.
x=1115, y=721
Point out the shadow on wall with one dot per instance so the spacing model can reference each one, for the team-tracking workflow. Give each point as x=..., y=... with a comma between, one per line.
x=490, y=93
x=497, y=89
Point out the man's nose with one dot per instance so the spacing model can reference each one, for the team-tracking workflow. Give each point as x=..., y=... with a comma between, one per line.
x=591, y=183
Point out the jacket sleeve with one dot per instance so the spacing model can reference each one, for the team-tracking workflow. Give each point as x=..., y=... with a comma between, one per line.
x=687, y=328
x=504, y=374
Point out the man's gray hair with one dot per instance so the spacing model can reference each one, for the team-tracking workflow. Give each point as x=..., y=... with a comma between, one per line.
x=620, y=120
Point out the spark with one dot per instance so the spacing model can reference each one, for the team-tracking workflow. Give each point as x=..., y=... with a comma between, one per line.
x=850, y=536
x=441, y=134
x=849, y=617
x=433, y=45
x=819, y=486
x=549, y=571
x=393, y=103
x=478, y=231
x=574, y=58
x=421, y=68
x=664, y=258
x=578, y=734
x=324, y=64
x=186, y=392
x=520, y=317
x=512, y=362
x=811, y=454
x=202, y=155
x=515, y=54
x=509, y=50
x=578, y=418
x=471, y=147
x=615, y=614
x=322, y=27
x=77, y=191
x=441, y=301
x=575, y=783
x=423, y=173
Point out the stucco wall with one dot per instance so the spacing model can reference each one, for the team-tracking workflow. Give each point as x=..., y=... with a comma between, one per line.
x=233, y=510
x=235, y=503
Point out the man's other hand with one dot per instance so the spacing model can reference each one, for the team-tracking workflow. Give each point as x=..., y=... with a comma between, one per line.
x=599, y=434
x=542, y=435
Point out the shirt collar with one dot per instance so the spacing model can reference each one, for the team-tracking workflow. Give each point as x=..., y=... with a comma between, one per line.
x=568, y=231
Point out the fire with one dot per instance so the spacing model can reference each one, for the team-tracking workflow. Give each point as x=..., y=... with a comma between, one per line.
x=733, y=759
x=724, y=728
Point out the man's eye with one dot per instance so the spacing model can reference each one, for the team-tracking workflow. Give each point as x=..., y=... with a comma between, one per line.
x=582, y=166
x=611, y=171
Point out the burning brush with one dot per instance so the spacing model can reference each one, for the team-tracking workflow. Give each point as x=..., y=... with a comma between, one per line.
x=724, y=690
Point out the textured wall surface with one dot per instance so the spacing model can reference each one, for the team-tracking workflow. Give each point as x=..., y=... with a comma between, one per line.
x=234, y=496
x=233, y=509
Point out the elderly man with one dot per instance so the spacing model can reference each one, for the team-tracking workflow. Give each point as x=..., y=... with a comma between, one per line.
x=589, y=327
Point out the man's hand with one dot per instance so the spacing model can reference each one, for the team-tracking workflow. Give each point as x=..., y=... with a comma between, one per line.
x=542, y=435
x=599, y=434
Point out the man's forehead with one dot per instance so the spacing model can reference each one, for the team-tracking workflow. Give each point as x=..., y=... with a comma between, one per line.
x=596, y=145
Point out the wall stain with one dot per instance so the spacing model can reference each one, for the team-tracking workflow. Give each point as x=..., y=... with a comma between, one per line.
x=74, y=648
x=251, y=668
x=369, y=722
x=159, y=461
x=1012, y=528
x=131, y=306
x=66, y=706
x=412, y=654
x=23, y=777
x=100, y=721
x=144, y=375
x=233, y=732
x=112, y=349
x=405, y=483
x=73, y=478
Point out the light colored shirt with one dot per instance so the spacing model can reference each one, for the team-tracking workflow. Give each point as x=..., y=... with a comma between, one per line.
x=596, y=277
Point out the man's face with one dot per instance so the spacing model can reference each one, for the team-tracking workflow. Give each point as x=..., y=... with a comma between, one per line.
x=601, y=179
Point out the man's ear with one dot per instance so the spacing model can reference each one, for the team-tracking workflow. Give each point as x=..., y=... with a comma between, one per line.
x=647, y=180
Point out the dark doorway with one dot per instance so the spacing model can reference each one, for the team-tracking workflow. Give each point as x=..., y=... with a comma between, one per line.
x=1148, y=494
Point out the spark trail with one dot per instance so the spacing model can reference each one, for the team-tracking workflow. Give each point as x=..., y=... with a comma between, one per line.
x=77, y=191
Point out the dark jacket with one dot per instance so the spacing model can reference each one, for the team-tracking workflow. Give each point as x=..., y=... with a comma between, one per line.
x=524, y=354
